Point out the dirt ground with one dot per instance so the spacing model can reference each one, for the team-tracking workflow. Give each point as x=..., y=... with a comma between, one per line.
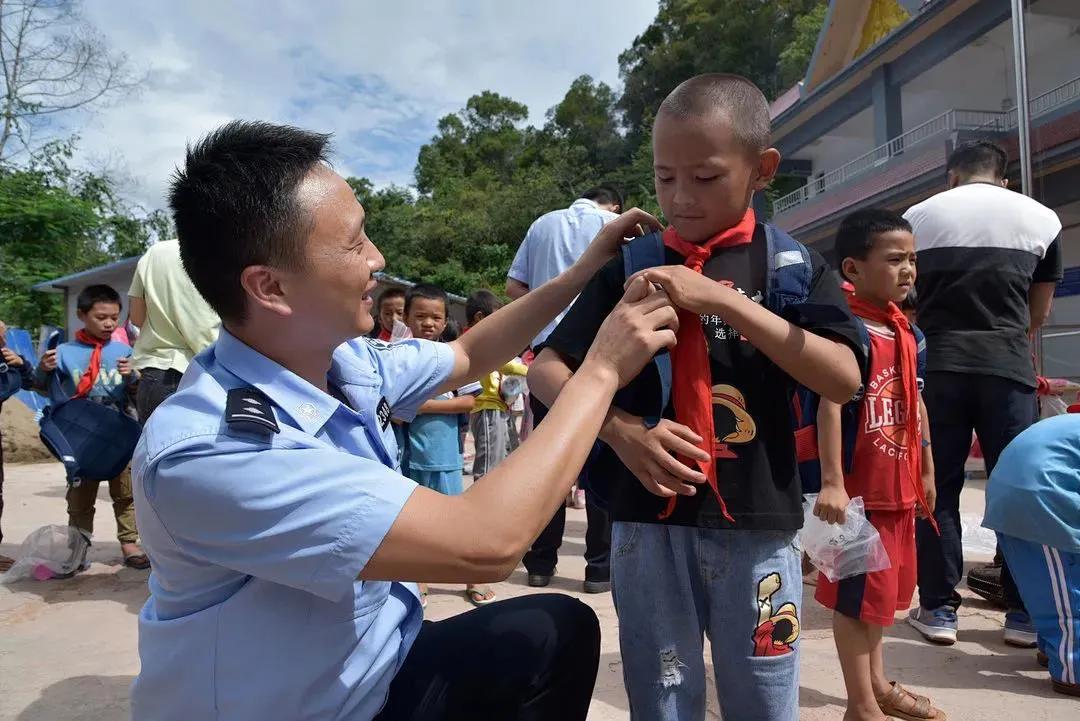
x=20, y=434
x=68, y=648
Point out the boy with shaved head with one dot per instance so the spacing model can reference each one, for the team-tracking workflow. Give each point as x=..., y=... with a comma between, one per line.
x=706, y=500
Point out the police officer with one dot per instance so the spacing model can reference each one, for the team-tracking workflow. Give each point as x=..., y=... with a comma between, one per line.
x=266, y=487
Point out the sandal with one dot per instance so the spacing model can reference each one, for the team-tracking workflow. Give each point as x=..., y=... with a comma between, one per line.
x=902, y=704
x=138, y=561
x=478, y=596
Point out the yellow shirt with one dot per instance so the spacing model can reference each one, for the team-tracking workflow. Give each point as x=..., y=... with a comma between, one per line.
x=179, y=322
x=490, y=399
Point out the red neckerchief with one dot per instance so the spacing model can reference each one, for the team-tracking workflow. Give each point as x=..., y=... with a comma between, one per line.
x=90, y=375
x=384, y=335
x=690, y=371
x=895, y=320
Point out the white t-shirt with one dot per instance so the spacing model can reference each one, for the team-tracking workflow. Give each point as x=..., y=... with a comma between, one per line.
x=554, y=242
x=980, y=248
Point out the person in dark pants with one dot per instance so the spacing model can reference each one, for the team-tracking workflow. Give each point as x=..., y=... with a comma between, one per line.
x=546, y=648
x=17, y=375
x=541, y=559
x=989, y=260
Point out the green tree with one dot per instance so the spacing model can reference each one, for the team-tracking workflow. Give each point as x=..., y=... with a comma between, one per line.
x=689, y=37
x=795, y=58
x=55, y=220
x=587, y=118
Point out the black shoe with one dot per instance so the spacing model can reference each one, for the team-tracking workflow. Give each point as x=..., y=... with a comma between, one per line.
x=538, y=580
x=1042, y=659
x=985, y=581
x=597, y=586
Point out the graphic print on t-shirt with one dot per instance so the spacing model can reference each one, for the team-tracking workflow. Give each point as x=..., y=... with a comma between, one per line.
x=731, y=421
x=885, y=423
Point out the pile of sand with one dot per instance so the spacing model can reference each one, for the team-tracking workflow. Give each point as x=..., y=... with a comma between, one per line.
x=20, y=434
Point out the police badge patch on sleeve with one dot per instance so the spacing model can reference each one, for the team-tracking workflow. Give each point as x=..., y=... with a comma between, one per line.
x=383, y=413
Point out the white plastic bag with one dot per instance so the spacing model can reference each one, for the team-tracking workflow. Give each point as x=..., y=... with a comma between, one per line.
x=1050, y=406
x=49, y=552
x=843, y=550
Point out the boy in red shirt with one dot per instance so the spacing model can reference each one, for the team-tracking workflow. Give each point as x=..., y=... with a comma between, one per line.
x=892, y=468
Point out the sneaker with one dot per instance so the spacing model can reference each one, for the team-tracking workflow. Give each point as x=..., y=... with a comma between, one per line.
x=985, y=581
x=596, y=586
x=937, y=625
x=1019, y=631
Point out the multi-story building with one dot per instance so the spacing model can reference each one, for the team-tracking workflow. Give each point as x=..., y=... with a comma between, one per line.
x=895, y=85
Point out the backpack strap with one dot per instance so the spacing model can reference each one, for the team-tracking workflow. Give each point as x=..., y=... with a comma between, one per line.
x=788, y=270
x=642, y=253
x=849, y=414
x=53, y=438
x=920, y=350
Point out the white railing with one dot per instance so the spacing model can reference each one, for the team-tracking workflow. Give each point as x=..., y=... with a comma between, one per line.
x=948, y=122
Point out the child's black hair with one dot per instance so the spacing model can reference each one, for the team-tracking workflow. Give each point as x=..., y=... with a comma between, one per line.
x=738, y=99
x=387, y=294
x=92, y=294
x=429, y=291
x=481, y=301
x=451, y=332
x=855, y=237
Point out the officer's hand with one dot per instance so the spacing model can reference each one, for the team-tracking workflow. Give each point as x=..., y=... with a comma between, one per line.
x=12, y=358
x=648, y=454
x=643, y=323
x=614, y=235
x=48, y=361
x=124, y=366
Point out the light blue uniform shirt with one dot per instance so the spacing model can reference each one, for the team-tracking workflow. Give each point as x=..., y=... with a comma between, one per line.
x=257, y=538
x=553, y=243
x=1034, y=492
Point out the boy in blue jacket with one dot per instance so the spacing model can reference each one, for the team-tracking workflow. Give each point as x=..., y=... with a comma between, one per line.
x=18, y=376
x=97, y=368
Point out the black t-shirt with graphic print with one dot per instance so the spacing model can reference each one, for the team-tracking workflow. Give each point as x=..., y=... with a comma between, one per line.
x=756, y=468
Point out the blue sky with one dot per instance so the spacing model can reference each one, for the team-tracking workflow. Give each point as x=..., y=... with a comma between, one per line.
x=378, y=75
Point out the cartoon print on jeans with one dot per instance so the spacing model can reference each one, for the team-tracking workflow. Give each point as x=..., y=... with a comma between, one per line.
x=777, y=629
x=733, y=423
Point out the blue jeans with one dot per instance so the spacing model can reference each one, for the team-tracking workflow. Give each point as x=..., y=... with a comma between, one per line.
x=674, y=584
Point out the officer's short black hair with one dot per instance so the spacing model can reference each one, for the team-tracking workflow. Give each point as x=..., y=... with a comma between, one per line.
x=234, y=204
x=481, y=301
x=391, y=292
x=733, y=97
x=93, y=294
x=980, y=157
x=604, y=195
x=857, y=232
x=429, y=291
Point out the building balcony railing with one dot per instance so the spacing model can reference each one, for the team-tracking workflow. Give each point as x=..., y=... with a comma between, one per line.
x=948, y=122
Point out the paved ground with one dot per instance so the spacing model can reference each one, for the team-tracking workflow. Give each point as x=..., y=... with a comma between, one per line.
x=68, y=648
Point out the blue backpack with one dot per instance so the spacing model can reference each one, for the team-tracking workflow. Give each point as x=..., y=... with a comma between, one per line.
x=788, y=278
x=94, y=442
x=805, y=409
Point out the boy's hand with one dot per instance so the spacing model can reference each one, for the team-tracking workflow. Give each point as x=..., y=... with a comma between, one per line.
x=647, y=452
x=638, y=327
x=48, y=361
x=12, y=358
x=930, y=491
x=832, y=503
x=687, y=289
x=124, y=366
x=613, y=236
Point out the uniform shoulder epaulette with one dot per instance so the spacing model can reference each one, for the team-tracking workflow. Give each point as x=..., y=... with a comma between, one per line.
x=250, y=408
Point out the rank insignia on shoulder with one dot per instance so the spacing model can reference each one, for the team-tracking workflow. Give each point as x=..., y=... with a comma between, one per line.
x=250, y=408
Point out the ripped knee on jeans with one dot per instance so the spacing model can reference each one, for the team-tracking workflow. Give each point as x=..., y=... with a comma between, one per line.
x=670, y=668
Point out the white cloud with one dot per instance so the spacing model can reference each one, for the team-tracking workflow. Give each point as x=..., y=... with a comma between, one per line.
x=376, y=74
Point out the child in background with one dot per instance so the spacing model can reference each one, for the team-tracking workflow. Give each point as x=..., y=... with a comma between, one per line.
x=391, y=308
x=95, y=367
x=19, y=376
x=720, y=559
x=490, y=416
x=433, y=457
x=892, y=470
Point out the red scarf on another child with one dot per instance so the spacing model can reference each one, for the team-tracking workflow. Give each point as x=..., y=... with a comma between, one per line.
x=90, y=375
x=895, y=320
x=690, y=369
